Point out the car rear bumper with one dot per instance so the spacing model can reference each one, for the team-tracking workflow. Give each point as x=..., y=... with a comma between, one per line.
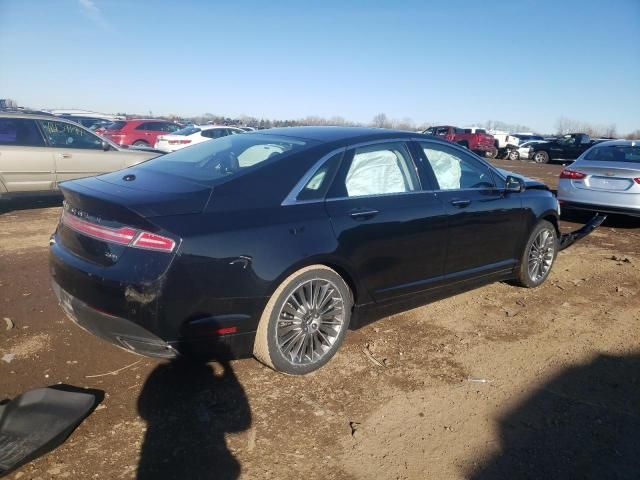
x=589, y=207
x=119, y=331
x=130, y=336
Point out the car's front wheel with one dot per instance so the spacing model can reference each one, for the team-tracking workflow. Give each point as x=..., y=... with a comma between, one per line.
x=514, y=155
x=304, y=322
x=538, y=256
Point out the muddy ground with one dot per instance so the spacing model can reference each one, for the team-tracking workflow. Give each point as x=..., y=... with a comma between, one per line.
x=500, y=382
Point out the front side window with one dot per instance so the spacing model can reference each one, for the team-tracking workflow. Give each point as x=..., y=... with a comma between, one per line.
x=69, y=135
x=213, y=133
x=381, y=170
x=20, y=132
x=456, y=170
x=186, y=131
x=210, y=162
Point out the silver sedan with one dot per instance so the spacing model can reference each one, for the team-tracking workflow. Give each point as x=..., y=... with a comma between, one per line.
x=605, y=178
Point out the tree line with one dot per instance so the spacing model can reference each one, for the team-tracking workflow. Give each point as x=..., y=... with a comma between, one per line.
x=563, y=124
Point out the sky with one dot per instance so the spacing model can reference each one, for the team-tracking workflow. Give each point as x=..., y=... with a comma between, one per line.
x=456, y=62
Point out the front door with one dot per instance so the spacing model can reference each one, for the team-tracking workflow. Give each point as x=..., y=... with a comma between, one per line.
x=485, y=222
x=26, y=164
x=78, y=152
x=391, y=229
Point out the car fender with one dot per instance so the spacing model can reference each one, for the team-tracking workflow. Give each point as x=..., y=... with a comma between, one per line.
x=341, y=266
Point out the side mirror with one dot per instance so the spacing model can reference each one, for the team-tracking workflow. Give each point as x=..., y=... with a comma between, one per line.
x=514, y=184
x=105, y=146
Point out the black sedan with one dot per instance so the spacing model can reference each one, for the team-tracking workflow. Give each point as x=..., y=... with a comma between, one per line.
x=273, y=243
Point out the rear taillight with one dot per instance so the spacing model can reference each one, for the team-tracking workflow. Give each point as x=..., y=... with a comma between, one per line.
x=151, y=241
x=637, y=180
x=179, y=142
x=572, y=174
x=127, y=236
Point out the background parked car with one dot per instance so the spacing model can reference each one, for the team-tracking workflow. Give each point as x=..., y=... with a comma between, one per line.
x=38, y=152
x=143, y=133
x=605, y=178
x=567, y=147
x=188, y=136
x=522, y=152
x=475, y=139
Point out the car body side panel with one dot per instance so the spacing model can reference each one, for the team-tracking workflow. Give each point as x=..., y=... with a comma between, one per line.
x=27, y=169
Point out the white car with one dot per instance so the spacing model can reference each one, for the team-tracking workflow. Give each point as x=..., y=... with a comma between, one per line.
x=191, y=135
x=523, y=151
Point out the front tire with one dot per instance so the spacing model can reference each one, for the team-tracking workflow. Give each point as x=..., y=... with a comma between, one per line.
x=514, y=155
x=304, y=322
x=538, y=256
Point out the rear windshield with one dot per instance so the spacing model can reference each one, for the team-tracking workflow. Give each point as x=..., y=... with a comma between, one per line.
x=614, y=153
x=186, y=131
x=224, y=157
x=114, y=126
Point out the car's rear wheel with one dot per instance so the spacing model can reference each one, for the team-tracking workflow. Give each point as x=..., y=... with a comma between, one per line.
x=140, y=143
x=493, y=153
x=304, y=321
x=514, y=155
x=541, y=157
x=538, y=256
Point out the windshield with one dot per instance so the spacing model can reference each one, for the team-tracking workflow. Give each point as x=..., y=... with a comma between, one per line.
x=224, y=157
x=186, y=131
x=114, y=126
x=614, y=153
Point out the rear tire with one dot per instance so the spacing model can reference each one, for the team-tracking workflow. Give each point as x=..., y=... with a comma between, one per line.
x=304, y=321
x=140, y=143
x=538, y=256
x=541, y=157
x=493, y=153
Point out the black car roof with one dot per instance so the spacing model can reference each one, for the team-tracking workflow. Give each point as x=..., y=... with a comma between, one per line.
x=335, y=134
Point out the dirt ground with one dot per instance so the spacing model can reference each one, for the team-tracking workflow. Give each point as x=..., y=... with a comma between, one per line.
x=500, y=382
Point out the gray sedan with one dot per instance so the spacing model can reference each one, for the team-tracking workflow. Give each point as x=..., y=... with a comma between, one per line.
x=605, y=178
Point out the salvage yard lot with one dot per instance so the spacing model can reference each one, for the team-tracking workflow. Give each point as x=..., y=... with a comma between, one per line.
x=500, y=382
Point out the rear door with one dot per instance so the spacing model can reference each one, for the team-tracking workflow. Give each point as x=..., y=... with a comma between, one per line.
x=26, y=164
x=78, y=152
x=485, y=222
x=391, y=228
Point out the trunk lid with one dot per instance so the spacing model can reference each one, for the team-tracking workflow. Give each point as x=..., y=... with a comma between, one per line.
x=606, y=176
x=123, y=205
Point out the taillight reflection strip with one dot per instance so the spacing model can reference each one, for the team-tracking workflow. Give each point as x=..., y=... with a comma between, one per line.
x=122, y=236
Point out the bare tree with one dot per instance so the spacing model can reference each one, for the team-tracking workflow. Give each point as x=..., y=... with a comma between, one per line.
x=380, y=121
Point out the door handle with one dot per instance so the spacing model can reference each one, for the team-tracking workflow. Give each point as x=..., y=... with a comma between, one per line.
x=65, y=155
x=363, y=213
x=460, y=203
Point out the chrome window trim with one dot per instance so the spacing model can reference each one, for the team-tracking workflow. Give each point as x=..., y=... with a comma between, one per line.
x=292, y=197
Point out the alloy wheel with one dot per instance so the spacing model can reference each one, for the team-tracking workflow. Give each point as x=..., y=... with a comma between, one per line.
x=310, y=321
x=541, y=255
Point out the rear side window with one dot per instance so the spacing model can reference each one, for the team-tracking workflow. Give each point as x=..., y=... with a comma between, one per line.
x=381, y=170
x=187, y=131
x=442, y=131
x=318, y=185
x=69, y=135
x=614, y=153
x=20, y=132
